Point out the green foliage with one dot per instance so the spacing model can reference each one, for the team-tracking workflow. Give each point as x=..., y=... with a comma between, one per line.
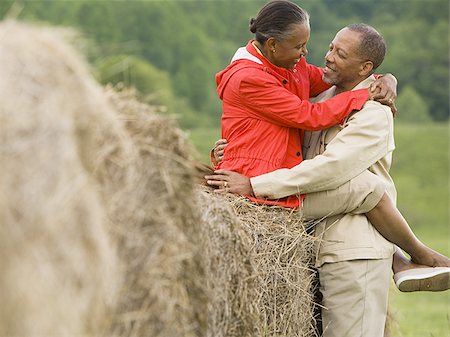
x=135, y=72
x=204, y=140
x=193, y=40
x=153, y=84
x=410, y=54
x=412, y=107
x=89, y=16
x=420, y=171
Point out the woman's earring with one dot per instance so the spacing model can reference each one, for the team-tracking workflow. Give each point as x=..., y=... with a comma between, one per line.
x=273, y=50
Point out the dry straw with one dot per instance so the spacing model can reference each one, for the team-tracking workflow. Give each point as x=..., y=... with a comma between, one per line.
x=75, y=161
x=57, y=265
x=157, y=226
x=257, y=269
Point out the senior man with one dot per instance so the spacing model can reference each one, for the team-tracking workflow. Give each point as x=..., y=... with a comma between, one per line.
x=354, y=260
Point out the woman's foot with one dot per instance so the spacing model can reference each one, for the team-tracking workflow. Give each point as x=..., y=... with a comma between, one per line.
x=410, y=276
x=423, y=279
x=430, y=258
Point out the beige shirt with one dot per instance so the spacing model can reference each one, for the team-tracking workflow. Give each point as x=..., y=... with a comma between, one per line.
x=365, y=140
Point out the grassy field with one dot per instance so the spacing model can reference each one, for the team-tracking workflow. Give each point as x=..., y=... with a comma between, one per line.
x=421, y=172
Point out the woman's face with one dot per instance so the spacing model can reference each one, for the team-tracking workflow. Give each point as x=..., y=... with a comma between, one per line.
x=286, y=53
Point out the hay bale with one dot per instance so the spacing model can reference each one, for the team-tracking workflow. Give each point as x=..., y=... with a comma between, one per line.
x=157, y=227
x=258, y=260
x=57, y=265
x=79, y=159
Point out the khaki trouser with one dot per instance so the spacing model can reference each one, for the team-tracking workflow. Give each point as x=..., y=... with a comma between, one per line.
x=355, y=297
x=357, y=196
x=355, y=293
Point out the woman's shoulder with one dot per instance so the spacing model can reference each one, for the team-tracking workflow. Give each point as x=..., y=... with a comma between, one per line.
x=252, y=72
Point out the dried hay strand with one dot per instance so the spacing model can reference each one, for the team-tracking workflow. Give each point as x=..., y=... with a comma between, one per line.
x=258, y=260
x=58, y=265
x=157, y=226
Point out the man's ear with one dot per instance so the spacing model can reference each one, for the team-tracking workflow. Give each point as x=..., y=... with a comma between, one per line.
x=366, y=68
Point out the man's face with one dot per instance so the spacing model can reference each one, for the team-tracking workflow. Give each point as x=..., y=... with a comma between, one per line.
x=342, y=62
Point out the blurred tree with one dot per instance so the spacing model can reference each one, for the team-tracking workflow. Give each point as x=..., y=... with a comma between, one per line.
x=96, y=19
x=6, y=7
x=154, y=86
x=192, y=40
x=411, y=60
x=132, y=71
x=412, y=108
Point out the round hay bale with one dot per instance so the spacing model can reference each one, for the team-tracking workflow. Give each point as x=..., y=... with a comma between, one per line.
x=257, y=264
x=58, y=265
x=134, y=164
x=156, y=224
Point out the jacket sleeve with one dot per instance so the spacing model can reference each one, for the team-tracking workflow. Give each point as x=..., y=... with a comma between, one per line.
x=317, y=85
x=363, y=141
x=266, y=99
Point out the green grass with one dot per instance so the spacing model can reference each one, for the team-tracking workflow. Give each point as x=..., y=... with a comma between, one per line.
x=421, y=173
x=203, y=140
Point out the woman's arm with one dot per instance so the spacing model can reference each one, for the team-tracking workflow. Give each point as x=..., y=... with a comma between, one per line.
x=383, y=90
x=264, y=98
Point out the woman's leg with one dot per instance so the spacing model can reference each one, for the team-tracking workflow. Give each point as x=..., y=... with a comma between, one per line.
x=365, y=194
x=388, y=220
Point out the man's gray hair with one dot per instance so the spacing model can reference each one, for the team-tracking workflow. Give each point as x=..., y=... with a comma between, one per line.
x=372, y=46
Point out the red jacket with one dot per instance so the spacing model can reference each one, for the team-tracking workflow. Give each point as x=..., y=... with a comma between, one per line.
x=266, y=107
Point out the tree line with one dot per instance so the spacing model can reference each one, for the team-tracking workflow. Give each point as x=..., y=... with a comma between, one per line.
x=171, y=50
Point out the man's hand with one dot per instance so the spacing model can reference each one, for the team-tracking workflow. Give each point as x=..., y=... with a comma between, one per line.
x=229, y=181
x=218, y=150
x=384, y=90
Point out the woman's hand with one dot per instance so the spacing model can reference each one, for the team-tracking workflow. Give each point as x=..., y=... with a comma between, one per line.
x=218, y=150
x=384, y=90
x=229, y=181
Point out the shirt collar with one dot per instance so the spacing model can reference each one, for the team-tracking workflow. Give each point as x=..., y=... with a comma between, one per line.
x=365, y=83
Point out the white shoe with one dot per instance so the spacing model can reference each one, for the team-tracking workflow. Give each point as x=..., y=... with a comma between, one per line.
x=423, y=279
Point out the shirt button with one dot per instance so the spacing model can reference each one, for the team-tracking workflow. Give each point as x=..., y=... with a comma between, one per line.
x=298, y=154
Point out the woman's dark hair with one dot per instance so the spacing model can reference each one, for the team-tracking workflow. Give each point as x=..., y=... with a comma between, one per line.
x=275, y=18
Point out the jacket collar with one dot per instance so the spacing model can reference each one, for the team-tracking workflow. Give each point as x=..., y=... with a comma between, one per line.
x=366, y=83
x=243, y=54
x=250, y=53
x=361, y=85
x=332, y=91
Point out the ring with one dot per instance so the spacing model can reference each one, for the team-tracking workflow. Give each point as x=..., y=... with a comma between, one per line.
x=225, y=184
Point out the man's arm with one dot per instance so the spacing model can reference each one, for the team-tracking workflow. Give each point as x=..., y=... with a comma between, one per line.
x=364, y=140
